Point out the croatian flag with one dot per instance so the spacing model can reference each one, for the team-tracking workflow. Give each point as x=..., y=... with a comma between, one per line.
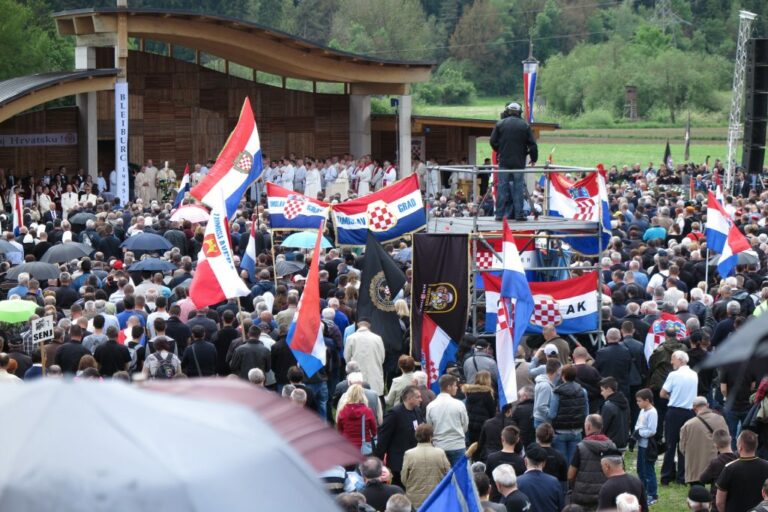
x=437, y=349
x=530, y=70
x=238, y=165
x=656, y=336
x=216, y=278
x=515, y=308
x=291, y=210
x=249, y=258
x=570, y=304
x=490, y=261
x=305, y=334
x=390, y=213
x=18, y=213
x=723, y=236
x=584, y=200
x=183, y=188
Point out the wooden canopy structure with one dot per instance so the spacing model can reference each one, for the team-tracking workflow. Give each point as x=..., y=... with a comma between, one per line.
x=245, y=43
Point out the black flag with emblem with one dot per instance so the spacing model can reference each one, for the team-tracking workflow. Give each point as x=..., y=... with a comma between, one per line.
x=440, y=289
x=381, y=281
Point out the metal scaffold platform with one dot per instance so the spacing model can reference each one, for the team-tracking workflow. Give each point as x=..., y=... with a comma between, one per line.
x=544, y=232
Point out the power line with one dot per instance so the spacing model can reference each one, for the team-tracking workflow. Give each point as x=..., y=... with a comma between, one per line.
x=493, y=43
x=612, y=3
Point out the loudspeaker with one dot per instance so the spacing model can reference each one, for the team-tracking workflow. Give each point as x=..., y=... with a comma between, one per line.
x=756, y=106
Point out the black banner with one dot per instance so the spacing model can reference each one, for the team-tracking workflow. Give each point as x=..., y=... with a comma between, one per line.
x=380, y=282
x=440, y=285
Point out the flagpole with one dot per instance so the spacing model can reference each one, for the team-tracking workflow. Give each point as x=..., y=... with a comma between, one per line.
x=706, y=272
x=240, y=319
x=272, y=249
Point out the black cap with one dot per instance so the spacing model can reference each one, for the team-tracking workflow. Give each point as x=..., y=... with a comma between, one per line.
x=699, y=494
x=611, y=452
x=535, y=453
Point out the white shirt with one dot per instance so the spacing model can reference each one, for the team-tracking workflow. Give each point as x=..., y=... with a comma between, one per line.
x=448, y=417
x=682, y=385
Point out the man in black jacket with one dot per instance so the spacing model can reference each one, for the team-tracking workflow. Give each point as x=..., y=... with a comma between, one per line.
x=513, y=139
x=522, y=415
x=615, y=360
x=615, y=413
x=376, y=492
x=252, y=354
x=177, y=330
x=199, y=359
x=397, y=433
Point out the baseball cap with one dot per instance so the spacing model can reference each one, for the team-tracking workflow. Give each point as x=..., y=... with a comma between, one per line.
x=550, y=350
x=299, y=277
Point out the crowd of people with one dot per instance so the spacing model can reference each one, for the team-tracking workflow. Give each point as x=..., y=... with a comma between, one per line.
x=562, y=444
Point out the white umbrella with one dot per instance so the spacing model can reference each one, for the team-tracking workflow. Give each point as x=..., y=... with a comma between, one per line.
x=144, y=451
x=194, y=213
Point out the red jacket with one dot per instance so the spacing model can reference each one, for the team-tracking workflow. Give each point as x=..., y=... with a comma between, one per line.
x=350, y=423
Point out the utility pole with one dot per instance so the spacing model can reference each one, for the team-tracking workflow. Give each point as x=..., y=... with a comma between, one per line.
x=735, y=127
x=663, y=15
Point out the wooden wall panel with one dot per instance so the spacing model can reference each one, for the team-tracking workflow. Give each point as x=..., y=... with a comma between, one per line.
x=32, y=161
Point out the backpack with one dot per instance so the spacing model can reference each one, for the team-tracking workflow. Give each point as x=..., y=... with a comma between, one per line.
x=166, y=369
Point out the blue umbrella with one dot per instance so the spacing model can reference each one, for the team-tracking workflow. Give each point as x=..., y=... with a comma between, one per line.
x=146, y=242
x=305, y=240
x=153, y=265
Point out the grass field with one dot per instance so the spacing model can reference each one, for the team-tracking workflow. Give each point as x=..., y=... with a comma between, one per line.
x=672, y=498
x=587, y=154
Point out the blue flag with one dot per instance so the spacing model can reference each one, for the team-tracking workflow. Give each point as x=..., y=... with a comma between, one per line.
x=455, y=493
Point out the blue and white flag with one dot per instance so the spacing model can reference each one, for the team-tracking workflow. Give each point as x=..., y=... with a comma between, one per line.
x=183, y=188
x=18, y=213
x=516, y=307
x=456, y=492
x=248, y=262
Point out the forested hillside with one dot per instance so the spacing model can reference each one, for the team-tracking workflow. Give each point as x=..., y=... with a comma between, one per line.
x=589, y=49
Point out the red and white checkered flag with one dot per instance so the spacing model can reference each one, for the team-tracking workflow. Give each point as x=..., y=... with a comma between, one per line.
x=546, y=311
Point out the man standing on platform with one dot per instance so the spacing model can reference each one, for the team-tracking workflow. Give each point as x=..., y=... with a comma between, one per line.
x=513, y=139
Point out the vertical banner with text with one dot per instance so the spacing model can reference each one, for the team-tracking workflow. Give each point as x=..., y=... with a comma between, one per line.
x=121, y=140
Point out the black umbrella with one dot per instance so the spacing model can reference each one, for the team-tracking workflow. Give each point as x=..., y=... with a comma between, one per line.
x=748, y=257
x=36, y=269
x=285, y=267
x=81, y=218
x=153, y=265
x=147, y=242
x=6, y=247
x=67, y=251
x=749, y=341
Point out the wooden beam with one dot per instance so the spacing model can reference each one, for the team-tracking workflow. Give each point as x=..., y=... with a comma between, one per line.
x=375, y=89
x=59, y=90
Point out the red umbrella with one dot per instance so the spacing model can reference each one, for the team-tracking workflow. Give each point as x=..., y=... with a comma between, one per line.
x=321, y=446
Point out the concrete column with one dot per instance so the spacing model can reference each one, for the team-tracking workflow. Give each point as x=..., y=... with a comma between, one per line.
x=87, y=136
x=359, y=124
x=404, y=130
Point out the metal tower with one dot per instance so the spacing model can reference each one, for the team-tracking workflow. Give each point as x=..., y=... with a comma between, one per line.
x=663, y=15
x=735, y=127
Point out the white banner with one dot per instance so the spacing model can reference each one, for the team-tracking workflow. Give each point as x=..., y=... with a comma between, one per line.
x=121, y=140
x=38, y=139
x=42, y=329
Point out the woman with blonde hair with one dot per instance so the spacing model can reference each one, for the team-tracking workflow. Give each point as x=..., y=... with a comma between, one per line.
x=356, y=421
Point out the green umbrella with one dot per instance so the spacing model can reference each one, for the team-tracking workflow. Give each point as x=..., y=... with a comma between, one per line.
x=16, y=311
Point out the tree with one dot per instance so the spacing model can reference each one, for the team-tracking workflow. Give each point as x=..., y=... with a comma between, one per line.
x=28, y=43
x=392, y=29
x=477, y=33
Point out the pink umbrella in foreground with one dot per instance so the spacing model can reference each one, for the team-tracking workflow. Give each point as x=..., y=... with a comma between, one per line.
x=321, y=446
x=194, y=213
